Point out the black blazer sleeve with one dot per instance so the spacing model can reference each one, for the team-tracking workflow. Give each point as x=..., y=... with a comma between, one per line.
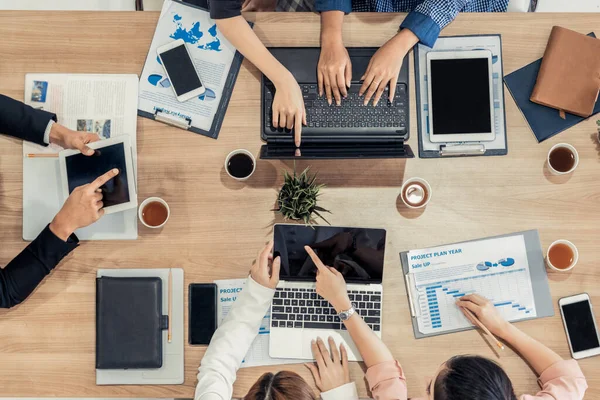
x=22, y=121
x=220, y=9
x=25, y=272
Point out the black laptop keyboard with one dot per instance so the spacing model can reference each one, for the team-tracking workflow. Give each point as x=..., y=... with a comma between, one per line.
x=304, y=308
x=351, y=114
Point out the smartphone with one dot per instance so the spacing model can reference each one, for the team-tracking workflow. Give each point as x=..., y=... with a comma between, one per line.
x=177, y=62
x=580, y=324
x=202, y=312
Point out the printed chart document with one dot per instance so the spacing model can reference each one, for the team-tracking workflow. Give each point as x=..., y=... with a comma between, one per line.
x=496, y=269
x=259, y=350
x=101, y=104
x=211, y=53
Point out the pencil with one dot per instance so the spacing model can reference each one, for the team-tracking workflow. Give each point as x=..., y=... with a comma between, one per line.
x=477, y=322
x=170, y=301
x=42, y=155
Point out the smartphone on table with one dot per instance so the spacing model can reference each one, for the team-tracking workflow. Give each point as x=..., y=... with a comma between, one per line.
x=202, y=312
x=177, y=63
x=580, y=325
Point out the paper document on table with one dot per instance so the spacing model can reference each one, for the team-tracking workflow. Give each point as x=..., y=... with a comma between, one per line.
x=211, y=53
x=258, y=354
x=496, y=269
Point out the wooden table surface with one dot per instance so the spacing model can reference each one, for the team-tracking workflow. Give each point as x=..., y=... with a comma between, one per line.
x=217, y=225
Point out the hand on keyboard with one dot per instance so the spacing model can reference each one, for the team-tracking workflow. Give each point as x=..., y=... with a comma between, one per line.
x=265, y=271
x=288, y=107
x=334, y=71
x=332, y=370
x=330, y=284
x=384, y=67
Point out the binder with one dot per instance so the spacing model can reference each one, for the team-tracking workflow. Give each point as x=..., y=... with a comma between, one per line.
x=537, y=271
x=544, y=122
x=497, y=147
x=174, y=114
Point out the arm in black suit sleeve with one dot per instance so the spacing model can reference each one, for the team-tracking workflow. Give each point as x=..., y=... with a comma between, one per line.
x=22, y=121
x=25, y=272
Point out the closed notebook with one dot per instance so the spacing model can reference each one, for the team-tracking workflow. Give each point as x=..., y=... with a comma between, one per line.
x=569, y=78
x=129, y=323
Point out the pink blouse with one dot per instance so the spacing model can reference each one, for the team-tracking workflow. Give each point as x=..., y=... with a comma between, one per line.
x=563, y=380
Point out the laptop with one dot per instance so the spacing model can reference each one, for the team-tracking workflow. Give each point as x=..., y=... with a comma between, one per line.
x=298, y=313
x=351, y=130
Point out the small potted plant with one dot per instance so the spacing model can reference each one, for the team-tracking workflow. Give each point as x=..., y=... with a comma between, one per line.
x=598, y=124
x=298, y=197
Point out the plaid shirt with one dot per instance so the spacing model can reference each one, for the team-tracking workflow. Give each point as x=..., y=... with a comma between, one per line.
x=426, y=18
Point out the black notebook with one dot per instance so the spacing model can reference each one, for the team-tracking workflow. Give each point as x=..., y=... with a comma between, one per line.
x=129, y=323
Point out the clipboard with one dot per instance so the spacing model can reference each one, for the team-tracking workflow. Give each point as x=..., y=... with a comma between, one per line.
x=537, y=271
x=499, y=146
x=181, y=119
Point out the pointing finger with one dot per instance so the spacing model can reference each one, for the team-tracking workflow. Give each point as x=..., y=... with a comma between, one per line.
x=101, y=180
x=315, y=259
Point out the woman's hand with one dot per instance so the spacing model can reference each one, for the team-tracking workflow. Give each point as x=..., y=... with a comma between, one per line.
x=332, y=371
x=288, y=106
x=334, y=70
x=485, y=311
x=330, y=284
x=384, y=67
x=265, y=271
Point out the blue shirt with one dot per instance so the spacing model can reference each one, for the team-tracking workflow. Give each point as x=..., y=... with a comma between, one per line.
x=426, y=18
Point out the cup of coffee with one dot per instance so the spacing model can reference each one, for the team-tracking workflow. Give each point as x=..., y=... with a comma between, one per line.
x=416, y=193
x=154, y=212
x=240, y=164
x=562, y=159
x=562, y=255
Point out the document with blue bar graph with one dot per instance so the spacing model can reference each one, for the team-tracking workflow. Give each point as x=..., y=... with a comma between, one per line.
x=258, y=354
x=497, y=269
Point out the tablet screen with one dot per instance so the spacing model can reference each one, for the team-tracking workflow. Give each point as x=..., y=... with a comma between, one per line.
x=357, y=253
x=82, y=170
x=460, y=97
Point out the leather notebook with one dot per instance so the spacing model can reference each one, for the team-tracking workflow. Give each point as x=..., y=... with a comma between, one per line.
x=569, y=77
x=129, y=323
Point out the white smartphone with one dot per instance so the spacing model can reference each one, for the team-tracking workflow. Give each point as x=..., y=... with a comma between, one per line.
x=177, y=62
x=580, y=324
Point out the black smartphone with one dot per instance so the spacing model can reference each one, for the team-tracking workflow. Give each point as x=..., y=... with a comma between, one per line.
x=202, y=312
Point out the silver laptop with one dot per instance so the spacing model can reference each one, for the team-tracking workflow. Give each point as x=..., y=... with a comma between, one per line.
x=298, y=313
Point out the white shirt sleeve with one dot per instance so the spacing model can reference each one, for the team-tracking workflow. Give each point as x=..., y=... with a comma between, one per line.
x=231, y=342
x=344, y=392
x=47, y=132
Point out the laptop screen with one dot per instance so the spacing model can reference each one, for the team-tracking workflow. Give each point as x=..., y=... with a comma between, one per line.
x=357, y=253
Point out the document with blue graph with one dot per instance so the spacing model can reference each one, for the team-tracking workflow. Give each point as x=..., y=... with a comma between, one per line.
x=496, y=268
x=258, y=354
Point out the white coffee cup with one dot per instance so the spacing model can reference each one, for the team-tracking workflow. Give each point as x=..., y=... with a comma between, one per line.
x=240, y=151
x=416, y=196
x=575, y=255
x=575, y=155
x=148, y=201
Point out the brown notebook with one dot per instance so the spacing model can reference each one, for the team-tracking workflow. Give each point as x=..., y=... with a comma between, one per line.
x=569, y=78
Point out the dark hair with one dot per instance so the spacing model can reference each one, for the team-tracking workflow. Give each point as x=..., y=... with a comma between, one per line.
x=284, y=385
x=473, y=378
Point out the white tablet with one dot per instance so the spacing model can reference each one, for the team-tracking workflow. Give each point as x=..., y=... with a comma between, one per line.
x=119, y=193
x=461, y=96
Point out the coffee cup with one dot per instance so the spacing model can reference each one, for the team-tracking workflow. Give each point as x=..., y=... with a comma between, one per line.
x=415, y=193
x=562, y=255
x=240, y=164
x=154, y=212
x=562, y=159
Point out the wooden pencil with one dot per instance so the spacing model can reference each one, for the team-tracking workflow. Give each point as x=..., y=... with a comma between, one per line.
x=42, y=155
x=477, y=322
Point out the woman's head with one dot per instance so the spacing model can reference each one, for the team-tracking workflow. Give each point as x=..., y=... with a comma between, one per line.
x=283, y=385
x=471, y=378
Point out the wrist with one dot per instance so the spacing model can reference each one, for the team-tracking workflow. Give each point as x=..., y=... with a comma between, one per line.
x=404, y=40
x=331, y=24
x=60, y=228
x=342, y=305
x=508, y=332
x=55, y=134
x=281, y=77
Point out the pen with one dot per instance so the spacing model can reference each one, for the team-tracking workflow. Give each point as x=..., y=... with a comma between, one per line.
x=170, y=302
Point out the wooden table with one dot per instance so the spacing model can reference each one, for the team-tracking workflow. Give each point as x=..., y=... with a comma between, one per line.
x=217, y=225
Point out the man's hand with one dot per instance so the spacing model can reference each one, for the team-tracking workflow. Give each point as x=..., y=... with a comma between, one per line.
x=258, y=5
x=384, y=67
x=288, y=106
x=68, y=139
x=265, y=270
x=330, y=284
x=332, y=370
x=82, y=208
x=334, y=71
